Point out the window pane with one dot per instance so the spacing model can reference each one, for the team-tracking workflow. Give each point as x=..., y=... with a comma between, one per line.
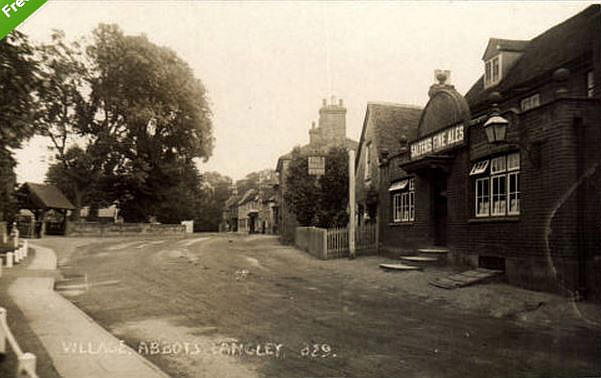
x=497, y=165
x=482, y=197
x=411, y=206
x=499, y=194
x=514, y=193
x=513, y=161
x=495, y=69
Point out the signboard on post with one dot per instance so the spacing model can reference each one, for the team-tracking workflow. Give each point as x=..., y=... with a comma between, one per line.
x=317, y=165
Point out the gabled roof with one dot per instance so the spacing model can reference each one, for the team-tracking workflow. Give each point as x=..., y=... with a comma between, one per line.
x=498, y=44
x=558, y=46
x=248, y=196
x=390, y=123
x=46, y=196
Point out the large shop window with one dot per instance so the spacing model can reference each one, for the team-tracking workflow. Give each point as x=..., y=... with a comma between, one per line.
x=497, y=186
x=403, y=200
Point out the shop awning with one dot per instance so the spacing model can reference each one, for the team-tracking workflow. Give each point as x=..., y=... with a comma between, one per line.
x=399, y=185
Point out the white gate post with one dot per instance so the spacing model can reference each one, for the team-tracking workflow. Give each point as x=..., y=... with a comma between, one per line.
x=2, y=332
x=26, y=364
x=351, y=199
x=9, y=259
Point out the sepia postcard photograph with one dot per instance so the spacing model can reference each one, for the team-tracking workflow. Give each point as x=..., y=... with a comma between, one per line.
x=233, y=189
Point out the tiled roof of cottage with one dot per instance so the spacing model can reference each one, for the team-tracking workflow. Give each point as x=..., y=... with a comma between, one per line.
x=46, y=196
x=391, y=122
x=558, y=46
x=248, y=196
x=232, y=201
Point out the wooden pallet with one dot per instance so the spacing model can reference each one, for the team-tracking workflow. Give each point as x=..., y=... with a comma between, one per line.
x=467, y=278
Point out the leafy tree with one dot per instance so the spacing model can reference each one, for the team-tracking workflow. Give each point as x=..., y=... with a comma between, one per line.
x=216, y=190
x=76, y=176
x=255, y=180
x=319, y=201
x=148, y=117
x=61, y=98
x=18, y=80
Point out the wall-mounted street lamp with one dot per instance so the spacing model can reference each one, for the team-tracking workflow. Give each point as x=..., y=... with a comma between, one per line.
x=496, y=126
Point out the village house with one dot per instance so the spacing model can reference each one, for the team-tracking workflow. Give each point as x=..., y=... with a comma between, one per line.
x=248, y=212
x=508, y=177
x=385, y=127
x=229, y=221
x=330, y=132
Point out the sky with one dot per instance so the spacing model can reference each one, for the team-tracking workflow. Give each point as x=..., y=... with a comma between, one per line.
x=267, y=65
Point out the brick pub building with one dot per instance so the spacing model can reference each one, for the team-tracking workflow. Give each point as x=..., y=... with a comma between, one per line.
x=508, y=176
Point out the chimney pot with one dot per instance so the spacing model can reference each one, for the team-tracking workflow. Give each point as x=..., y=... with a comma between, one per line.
x=324, y=102
x=340, y=103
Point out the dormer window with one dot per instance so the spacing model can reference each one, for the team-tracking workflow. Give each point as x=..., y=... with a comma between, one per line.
x=492, y=71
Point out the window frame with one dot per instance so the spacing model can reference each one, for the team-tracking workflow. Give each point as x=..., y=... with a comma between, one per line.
x=590, y=84
x=517, y=192
x=367, y=161
x=403, y=203
x=493, y=187
x=493, y=70
x=530, y=102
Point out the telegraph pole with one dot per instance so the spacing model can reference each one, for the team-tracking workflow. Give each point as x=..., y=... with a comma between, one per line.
x=351, y=199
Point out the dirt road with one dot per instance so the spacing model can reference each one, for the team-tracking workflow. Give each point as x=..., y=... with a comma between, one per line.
x=243, y=306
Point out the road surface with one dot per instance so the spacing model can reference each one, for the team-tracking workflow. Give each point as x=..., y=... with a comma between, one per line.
x=242, y=306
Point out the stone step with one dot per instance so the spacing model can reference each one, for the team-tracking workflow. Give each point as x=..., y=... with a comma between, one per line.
x=435, y=251
x=419, y=259
x=400, y=267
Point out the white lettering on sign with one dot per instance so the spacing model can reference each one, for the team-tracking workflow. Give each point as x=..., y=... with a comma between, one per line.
x=438, y=142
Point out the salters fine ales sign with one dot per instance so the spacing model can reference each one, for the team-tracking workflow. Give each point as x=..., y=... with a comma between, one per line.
x=440, y=141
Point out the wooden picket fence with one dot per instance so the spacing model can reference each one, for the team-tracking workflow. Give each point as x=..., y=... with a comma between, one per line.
x=334, y=242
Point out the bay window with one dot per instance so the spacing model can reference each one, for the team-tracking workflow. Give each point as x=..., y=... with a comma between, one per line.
x=497, y=190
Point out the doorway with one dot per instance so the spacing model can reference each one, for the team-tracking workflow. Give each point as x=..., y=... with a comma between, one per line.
x=439, y=207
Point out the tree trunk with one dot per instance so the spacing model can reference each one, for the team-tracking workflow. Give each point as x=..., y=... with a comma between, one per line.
x=76, y=215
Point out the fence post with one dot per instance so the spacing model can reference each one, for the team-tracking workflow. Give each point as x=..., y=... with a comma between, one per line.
x=25, y=247
x=324, y=241
x=351, y=226
x=26, y=364
x=2, y=330
x=9, y=259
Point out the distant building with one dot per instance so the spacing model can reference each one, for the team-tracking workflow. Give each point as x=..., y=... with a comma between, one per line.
x=43, y=209
x=330, y=132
